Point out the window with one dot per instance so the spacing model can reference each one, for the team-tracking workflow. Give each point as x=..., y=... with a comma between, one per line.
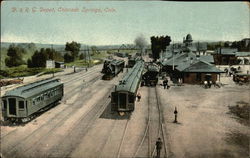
x=4, y=104
x=38, y=99
x=42, y=97
x=21, y=104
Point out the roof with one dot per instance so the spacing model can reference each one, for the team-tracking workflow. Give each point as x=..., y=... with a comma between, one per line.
x=117, y=62
x=29, y=90
x=242, y=54
x=178, y=59
x=226, y=51
x=131, y=80
x=189, y=38
x=207, y=58
x=198, y=66
x=153, y=67
x=59, y=62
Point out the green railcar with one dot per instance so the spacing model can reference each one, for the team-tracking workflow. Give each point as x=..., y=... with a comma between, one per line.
x=23, y=102
x=111, y=68
x=124, y=95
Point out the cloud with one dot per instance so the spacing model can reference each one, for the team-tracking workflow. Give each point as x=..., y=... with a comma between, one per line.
x=14, y=38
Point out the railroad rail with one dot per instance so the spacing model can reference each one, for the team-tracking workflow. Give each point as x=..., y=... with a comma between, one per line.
x=67, y=111
x=149, y=134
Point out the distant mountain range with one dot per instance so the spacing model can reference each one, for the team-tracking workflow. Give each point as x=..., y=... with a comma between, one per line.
x=61, y=47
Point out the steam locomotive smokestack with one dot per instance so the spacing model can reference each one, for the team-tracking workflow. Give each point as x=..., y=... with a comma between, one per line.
x=141, y=42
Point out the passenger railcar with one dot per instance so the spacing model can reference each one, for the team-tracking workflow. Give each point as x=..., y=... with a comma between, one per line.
x=150, y=77
x=111, y=68
x=124, y=95
x=23, y=102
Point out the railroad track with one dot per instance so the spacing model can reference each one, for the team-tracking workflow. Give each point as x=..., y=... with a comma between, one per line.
x=149, y=137
x=67, y=96
x=161, y=130
x=80, y=129
x=77, y=74
x=61, y=116
x=80, y=76
x=123, y=137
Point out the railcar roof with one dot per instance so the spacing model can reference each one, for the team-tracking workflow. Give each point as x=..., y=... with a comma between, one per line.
x=131, y=79
x=29, y=90
x=116, y=62
x=153, y=67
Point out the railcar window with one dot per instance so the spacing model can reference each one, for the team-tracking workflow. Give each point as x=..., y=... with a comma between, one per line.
x=42, y=98
x=38, y=99
x=21, y=104
x=4, y=104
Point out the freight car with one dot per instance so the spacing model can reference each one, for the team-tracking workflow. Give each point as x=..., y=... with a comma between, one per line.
x=111, y=68
x=150, y=77
x=124, y=95
x=22, y=103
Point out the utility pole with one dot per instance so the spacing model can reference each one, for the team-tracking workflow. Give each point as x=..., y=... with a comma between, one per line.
x=88, y=57
x=173, y=55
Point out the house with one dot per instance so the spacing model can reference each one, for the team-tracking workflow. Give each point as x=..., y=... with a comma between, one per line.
x=244, y=57
x=59, y=64
x=225, y=56
x=50, y=64
x=197, y=71
x=191, y=68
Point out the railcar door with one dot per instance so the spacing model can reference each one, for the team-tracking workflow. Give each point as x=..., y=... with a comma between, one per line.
x=122, y=100
x=12, y=106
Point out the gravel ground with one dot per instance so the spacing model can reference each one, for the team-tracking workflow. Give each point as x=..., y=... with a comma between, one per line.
x=205, y=128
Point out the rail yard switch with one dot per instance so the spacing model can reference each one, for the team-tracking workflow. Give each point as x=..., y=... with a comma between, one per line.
x=175, y=115
x=158, y=147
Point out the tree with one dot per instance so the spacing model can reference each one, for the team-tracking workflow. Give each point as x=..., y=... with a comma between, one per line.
x=81, y=56
x=74, y=48
x=68, y=58
x=39, y=57
x=15, y=56
x=159, y=44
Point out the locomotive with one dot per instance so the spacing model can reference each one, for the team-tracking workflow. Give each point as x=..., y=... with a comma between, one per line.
x=111, y=68
x=22, y=103
x=132, y=60
x=124, y=95
x=150, y=77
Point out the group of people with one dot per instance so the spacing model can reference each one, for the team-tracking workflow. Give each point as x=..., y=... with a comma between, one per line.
x=231, y=71
x=165, y=84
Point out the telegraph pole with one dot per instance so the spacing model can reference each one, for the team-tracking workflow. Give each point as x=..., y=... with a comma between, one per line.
x=173, y=55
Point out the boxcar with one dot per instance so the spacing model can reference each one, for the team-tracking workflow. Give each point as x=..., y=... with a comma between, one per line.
x=150, y=77
x=124, y=95
x=112, y=67
x=23, y=102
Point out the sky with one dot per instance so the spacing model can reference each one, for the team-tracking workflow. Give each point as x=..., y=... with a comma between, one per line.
x=120, y=22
